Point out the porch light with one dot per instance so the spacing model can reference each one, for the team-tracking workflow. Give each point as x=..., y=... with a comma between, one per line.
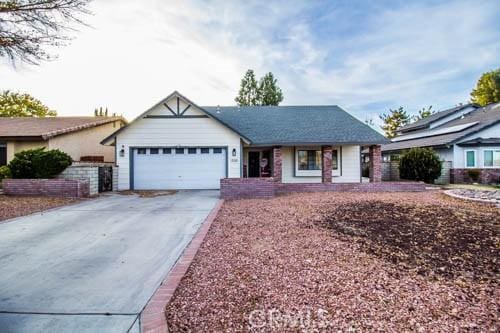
x=234, y=152
x=122, y=151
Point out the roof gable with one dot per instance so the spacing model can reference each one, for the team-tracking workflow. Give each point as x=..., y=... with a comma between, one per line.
x=271, y=125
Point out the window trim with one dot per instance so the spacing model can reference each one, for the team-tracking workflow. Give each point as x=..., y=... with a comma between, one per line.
x=475, y=158
x=493, y=166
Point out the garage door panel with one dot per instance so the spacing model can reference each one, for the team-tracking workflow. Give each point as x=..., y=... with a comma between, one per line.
x=179, y=171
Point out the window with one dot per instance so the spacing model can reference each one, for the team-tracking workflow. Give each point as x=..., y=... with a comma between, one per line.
x=309, y=159
x=167, y=150
x=153, y=151
x=205, y=150
x=492, y=158
x=191, y=150
x=335, y=159
x=470, y=158
x=179, y=150
x=217, y=150
x=141, y=151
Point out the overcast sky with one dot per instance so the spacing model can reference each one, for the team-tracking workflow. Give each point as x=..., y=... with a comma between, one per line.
x=365, y=56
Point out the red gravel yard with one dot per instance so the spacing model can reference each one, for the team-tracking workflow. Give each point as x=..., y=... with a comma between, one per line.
x=344, y=261
x=11, y=207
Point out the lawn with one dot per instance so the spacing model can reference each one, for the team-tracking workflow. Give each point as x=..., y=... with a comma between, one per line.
x=11, y=207
x=346, y=261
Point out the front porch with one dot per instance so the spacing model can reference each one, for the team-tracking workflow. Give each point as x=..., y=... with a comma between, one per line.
x=308, y=169
x=310, y=164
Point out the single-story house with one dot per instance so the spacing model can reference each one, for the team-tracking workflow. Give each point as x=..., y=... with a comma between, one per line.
x=177, y=144
x=466, y=137
x=79, y=137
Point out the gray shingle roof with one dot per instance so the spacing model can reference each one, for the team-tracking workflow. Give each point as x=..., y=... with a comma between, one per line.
x=282, y=125
x=485, y=117
x=423, y=123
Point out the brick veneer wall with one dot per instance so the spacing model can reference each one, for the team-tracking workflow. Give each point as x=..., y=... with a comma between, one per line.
x=487, y=176
x=375, y=156
x=326, y=170
x=238, y=188
x=47, y=187
x=277, y=164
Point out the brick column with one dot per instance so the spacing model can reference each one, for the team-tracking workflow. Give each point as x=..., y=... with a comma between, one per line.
x=326, y=164
x=277, y=164
x=375, y=155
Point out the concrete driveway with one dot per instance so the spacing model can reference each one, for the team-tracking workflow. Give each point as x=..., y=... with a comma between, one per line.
x=92, y=267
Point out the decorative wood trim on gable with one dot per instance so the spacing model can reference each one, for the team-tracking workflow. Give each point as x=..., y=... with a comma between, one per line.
x=178, y=113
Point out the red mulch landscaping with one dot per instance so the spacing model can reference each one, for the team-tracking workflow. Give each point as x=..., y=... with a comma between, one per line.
x=11, y=207
x=344, y=261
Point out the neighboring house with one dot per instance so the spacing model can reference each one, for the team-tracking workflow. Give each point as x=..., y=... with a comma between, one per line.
x=466, y=138
x=179, y=145
x=79, y=137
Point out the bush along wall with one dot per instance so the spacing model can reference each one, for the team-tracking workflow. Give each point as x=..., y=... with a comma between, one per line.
x=38, y=163
x=420, y=164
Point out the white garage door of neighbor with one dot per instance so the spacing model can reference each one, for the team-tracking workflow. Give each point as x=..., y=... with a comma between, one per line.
x=178, y=168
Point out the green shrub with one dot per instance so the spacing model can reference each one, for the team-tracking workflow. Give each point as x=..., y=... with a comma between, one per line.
x=474, y=175
x=420, y=164
x=5, y=172
x=39, y=163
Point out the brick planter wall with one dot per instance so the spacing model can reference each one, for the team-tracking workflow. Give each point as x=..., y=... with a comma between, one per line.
x=47, y=187
x=487, y=176
x=238, y=188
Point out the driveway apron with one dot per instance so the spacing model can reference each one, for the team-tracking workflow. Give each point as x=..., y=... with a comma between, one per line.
x=93, y=266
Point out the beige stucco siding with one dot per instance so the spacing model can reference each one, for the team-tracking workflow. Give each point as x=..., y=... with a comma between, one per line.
x=86, y=142
x=14, y=147
x=172, y=132
x=349, y=159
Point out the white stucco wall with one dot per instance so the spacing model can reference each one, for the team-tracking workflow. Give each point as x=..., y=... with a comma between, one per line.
x=350, y=171
x=171, y=132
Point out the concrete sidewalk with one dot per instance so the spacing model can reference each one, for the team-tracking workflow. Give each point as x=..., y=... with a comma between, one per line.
x=93, y=266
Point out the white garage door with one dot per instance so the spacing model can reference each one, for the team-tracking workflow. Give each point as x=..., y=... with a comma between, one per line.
x=178, y=168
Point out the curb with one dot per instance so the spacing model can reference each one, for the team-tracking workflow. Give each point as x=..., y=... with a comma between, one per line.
x=457, y=196
x=152, y=317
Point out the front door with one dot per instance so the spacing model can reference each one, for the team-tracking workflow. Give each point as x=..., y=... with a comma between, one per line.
x=253, y=164
x=3, y=154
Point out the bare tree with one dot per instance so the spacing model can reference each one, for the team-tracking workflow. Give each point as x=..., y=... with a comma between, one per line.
x=28, y=27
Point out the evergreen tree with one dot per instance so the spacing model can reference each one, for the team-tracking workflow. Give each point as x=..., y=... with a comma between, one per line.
x=394, y=120
x=248, y=94
x=487, y=88
x=269, y=93
x=424, y=113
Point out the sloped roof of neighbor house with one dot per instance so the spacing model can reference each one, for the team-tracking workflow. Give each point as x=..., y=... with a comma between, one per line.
x=450, y=132
x=295, y=125
x=30, y=128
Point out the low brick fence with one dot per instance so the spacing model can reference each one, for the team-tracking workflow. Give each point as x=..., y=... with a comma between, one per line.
x=47, y=187
x=486, y=176
x=238, y=188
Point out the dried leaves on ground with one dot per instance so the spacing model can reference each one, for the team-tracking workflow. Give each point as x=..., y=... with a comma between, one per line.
x=345, y=261
x=11, y=206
